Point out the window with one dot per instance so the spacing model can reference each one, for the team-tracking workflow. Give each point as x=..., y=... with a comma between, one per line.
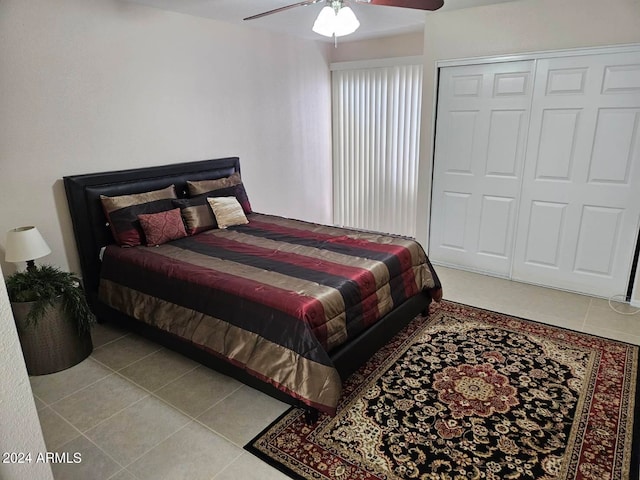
x=376, y=138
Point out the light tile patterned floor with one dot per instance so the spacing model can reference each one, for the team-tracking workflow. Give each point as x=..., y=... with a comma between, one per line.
x=138, y=411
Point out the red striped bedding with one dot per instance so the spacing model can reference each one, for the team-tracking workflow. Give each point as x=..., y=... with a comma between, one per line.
x=274, y=297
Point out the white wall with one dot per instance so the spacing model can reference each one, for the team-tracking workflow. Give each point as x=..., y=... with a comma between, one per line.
x=20, y=426
x=509, y=28
x=95, y=85
x=401, y=45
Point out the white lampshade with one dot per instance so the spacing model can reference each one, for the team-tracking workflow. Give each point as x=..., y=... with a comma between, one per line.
x=324, y=23
x=24, y=244
x=345, y=22
x=330, y=23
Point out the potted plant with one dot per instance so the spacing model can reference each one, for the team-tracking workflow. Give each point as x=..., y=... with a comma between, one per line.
x=52, y=317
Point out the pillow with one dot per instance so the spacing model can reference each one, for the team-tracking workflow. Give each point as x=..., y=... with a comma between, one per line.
x=197, y=214
x=122, y=212
x=162, y=227
x=222, y=187
x=228, y=211
x=203, y=186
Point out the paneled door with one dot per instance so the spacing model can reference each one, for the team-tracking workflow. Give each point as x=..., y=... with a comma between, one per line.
x=580, y=200
x=482, y=120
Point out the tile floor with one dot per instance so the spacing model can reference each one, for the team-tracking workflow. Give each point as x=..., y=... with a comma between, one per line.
x=136, y=410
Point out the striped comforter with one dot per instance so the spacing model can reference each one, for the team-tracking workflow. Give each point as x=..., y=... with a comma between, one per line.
x=274, y=296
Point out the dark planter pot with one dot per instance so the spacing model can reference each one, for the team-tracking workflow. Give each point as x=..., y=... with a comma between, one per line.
x=53, y=344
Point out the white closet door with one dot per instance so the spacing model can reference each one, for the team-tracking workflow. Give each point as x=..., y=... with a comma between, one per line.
x=482, y=119
x=580, y=202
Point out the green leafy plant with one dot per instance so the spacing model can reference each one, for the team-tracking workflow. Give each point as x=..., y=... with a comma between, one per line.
x=43, y=285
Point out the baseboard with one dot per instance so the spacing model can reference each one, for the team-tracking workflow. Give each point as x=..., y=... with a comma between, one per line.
x=635, y=303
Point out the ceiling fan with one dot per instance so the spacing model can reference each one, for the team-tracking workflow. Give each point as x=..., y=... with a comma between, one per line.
x=337, y=19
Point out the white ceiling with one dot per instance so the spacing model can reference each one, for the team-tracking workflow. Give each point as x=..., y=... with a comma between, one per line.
x=375, y=21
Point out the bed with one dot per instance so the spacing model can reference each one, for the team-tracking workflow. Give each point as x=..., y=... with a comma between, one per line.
x=288, y=307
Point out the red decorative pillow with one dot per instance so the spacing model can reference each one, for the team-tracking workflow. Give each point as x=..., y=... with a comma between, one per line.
x=123, y=211
x=162, y=227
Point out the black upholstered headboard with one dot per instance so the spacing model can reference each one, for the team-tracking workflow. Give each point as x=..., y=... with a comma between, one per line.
x=90, y=226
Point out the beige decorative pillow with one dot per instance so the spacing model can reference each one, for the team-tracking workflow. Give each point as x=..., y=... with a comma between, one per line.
x=115, y=203
x=204, y=186
x=196, y=214
x=228, y=211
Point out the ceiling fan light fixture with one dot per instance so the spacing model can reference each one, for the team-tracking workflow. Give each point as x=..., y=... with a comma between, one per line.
x=324, y=24
x=345, y=22
x=336, y=20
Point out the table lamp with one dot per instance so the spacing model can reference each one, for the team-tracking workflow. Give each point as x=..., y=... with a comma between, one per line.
x=25, y=244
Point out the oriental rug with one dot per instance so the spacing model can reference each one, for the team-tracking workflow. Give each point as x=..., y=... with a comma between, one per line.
x=473, y=394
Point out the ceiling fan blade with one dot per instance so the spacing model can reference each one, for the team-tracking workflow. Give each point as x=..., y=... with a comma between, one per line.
x=282, y=9
x=417, y=4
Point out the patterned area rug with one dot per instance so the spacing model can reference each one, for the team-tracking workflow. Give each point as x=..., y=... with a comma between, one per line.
x=473, y=394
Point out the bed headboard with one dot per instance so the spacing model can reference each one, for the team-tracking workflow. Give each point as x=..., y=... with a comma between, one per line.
x=90, y=225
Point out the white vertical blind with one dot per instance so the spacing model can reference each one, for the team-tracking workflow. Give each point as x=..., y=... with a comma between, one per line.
x=376, y=131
